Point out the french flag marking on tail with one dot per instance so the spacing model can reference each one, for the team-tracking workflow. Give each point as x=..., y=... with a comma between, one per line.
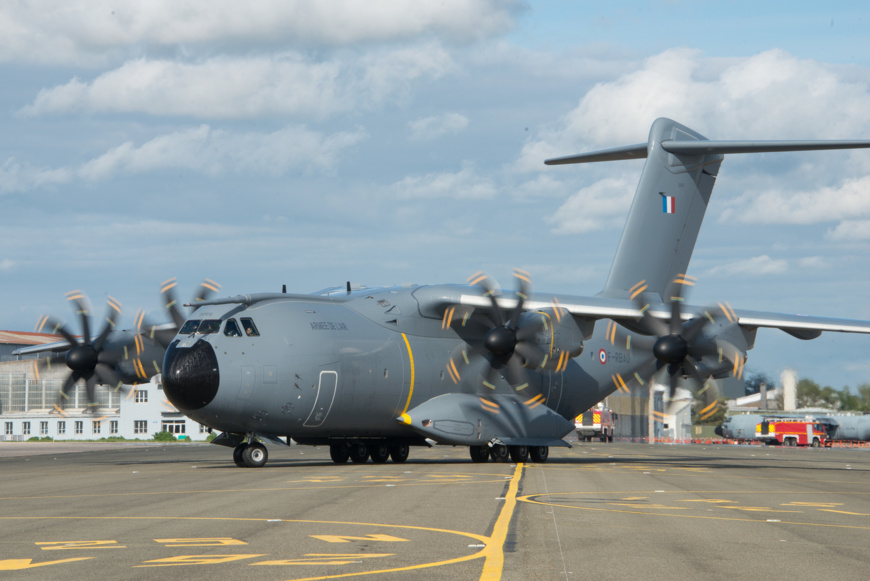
x=669, y=204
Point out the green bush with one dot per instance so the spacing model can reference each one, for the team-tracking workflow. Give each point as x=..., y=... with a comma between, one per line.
x=38, y=439
x=164, y=437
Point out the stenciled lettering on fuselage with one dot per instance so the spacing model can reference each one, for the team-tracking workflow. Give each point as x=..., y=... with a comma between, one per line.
x=328, y=326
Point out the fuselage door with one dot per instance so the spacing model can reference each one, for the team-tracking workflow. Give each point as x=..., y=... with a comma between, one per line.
x=324, y=399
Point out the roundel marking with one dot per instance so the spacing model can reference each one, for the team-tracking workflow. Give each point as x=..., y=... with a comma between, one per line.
x=602, y=356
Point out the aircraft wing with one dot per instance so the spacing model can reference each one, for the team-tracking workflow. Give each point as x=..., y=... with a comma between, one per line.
x=800, y=326
x=625, y=310
x=45, y=347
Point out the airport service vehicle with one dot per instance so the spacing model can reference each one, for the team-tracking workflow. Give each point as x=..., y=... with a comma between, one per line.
x=791, y=432
x=597, y=423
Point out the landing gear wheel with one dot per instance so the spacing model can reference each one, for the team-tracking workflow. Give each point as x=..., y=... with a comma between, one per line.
x=255, y=455
x=237, y=455
x=399, y=453
x=339, y=453
x=519, y=454
x=380, y=453
x=478, y=453
x=539, y=453
x=359, y=452
x=500, y=453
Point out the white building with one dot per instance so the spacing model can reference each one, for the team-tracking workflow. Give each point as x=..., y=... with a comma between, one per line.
x=28, y=409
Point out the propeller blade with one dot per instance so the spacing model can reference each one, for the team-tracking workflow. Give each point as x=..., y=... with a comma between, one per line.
x=81, y=303
x=171, y=303
x=107, y=376
x=114, y=310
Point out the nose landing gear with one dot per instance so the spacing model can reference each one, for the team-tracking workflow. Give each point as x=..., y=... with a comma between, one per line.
x=253, y=455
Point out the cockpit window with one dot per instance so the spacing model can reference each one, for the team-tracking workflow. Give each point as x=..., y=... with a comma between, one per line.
x=189, y=327
x=232, y=329
x=209, y=326
x=250, y=327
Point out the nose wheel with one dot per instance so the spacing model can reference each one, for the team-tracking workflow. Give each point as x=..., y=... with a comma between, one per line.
x=252, y=455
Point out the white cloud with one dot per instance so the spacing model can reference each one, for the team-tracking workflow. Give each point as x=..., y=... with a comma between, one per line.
x=772, y=95
x=464, y=184
x=756, y=266
x=100, y=30
x=437, y=126
x=851, y=230
x=602, y=205
x=245, y=87
x=847, y=201
x=202, y=149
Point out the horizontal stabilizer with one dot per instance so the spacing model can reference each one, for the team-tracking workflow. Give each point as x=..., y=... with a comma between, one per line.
x=638, y=151
x=721, y=147
x=706, y=147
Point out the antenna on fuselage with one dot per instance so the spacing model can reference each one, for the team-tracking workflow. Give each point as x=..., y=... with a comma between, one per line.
x=348, y=287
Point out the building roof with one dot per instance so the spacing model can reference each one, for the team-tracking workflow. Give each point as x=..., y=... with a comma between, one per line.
x=26, y=338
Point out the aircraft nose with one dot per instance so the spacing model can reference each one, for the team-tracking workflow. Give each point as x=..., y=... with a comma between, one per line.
x=191, y=377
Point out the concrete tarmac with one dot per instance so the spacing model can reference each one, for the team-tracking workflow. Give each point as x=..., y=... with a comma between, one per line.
x=614, y=511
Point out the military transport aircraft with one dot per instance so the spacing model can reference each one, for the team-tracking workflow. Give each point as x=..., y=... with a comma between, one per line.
x=372, y=371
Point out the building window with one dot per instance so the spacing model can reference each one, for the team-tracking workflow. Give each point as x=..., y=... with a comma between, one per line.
x=9, y=428
x=140, y=427
x=25, y=428
x=203, y=429
x=61, y=428
x=97, y=426
x=174, y=426
x=141, y=396
x=43, y=428
x=80, y=427
x=113, y=427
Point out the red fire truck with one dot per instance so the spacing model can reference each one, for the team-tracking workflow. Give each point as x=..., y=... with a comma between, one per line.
x=791, y=432
x=597, y=423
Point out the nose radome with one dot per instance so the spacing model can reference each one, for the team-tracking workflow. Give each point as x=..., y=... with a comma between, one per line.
x=191, y=377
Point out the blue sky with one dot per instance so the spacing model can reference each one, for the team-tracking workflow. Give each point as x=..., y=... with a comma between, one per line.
x=311, y=143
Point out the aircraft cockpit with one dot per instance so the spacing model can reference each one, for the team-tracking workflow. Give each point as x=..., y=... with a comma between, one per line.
x=212, y=326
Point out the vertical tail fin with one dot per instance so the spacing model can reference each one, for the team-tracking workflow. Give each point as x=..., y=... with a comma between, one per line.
x=671, y=200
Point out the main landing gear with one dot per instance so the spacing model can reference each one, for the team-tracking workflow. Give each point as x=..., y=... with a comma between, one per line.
x=502, y=453
x=253, y=455
x=359, y=452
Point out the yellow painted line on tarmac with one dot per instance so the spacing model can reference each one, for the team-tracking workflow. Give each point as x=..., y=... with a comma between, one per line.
x=530, y=498
x=494, y=550
x=492, y=553
x=496, y=478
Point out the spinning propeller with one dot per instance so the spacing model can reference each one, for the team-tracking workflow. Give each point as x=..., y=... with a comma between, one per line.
x=88, y=358
x=164, y=334
x=681, y=348
x=505, y=340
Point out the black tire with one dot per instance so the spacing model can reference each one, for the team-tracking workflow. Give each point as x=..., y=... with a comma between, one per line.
x=379, y=452
x=519, y=453
x=359, y=453
x=478, y=454
x=339, y=453
x=399, y=452
x=816, y=443
x=500, y=453
x=539, y=453
x=237, y=455
x=255, y=455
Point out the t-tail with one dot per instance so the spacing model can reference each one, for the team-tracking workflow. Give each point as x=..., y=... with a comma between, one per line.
x=671, y=200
